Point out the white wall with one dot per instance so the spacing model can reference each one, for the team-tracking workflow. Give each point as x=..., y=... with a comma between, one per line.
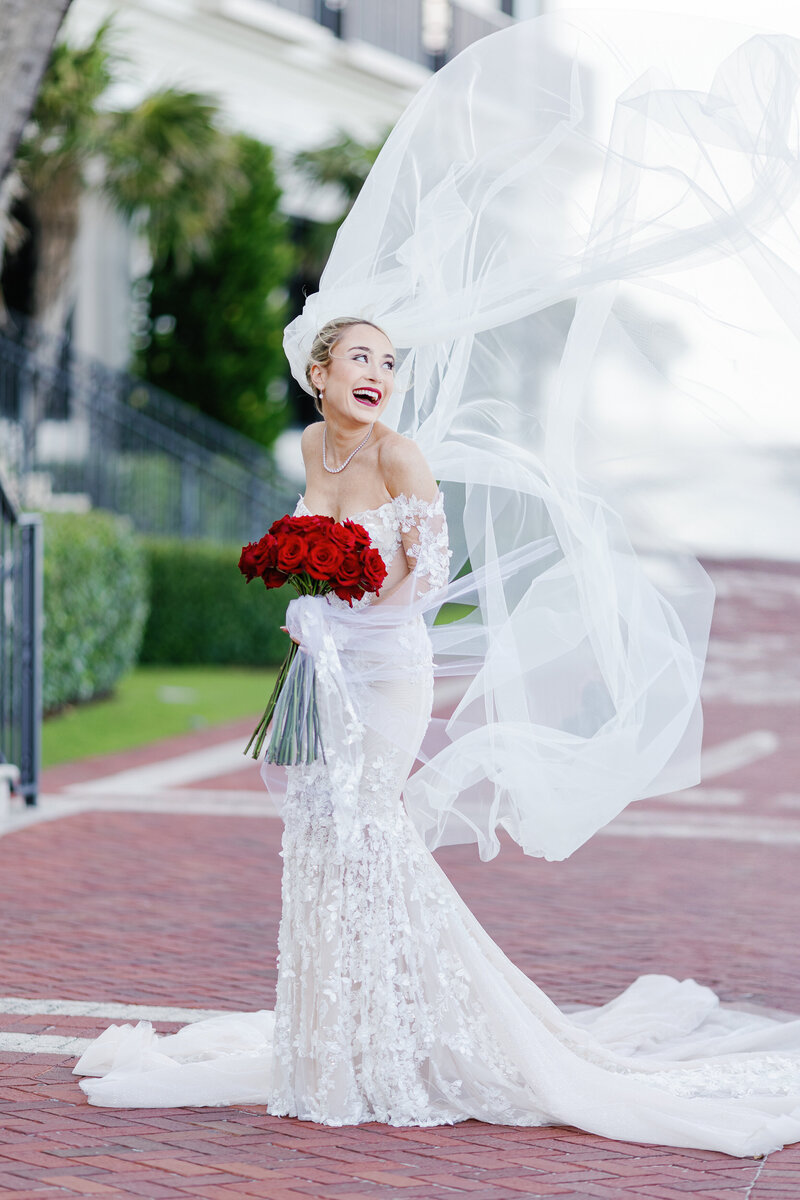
x=281, y=78
x=278, y=77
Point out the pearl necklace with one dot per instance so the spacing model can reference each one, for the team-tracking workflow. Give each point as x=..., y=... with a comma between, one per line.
x=336, y=470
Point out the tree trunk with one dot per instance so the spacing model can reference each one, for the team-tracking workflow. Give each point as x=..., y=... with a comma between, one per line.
x=28, y=29
x=57, y=213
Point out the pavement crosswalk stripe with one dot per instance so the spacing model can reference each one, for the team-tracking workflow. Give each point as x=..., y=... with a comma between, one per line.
x=738, y=752
x=106, y=1009
x=41, y=1043
x=731, y=827
x=634, y=821
x=184, y=768
x=703, y=797
x=47, y=1043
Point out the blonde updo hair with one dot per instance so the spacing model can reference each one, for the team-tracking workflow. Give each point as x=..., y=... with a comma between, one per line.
x=326, y=339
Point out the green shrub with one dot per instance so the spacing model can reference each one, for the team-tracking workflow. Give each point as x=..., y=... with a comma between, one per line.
x=95, y=604
x=202, y=611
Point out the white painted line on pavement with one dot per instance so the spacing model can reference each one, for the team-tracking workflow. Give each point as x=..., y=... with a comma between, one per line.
x=42, y=1043
x=729, y=827
x=107, y=1009
x=197, y=802
x=227, y=757
x=788, y=800
x=221, y=759
x=48, y=1043
x=738, y=752
x=714, y=797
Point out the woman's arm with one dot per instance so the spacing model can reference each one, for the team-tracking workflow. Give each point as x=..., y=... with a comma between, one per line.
x=423, y=527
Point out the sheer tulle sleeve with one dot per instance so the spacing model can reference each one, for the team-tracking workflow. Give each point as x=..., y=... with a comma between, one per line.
x=423, y=527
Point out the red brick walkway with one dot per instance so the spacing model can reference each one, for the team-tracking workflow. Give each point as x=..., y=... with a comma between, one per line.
x=176, y=908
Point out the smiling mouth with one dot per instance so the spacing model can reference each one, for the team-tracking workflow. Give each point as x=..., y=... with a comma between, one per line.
x=369, y=396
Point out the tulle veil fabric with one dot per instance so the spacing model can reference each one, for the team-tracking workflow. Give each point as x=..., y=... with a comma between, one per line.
x=553, y=204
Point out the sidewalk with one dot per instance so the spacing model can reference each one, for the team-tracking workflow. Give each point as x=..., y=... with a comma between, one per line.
x=151, y=880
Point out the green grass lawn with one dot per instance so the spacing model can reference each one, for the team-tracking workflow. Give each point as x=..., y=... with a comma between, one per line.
x=153, y=703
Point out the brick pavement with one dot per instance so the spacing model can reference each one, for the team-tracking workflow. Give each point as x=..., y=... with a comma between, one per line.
x=181, y=908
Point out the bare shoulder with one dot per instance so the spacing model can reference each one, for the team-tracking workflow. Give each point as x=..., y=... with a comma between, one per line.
x=404, y=467
x=311, y=439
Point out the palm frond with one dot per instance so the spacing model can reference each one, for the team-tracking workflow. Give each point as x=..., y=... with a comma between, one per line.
x=343, y=163
x=168, y=159
x=63, y=131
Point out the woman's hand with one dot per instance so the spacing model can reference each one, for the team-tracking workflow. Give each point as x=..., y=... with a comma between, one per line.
x=294, y=639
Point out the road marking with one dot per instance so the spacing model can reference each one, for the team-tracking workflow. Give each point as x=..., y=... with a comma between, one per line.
x=788, y=800
x=42, y=1043
x=729, y=827
x=197, y=802
x=722, y=797
x=106, y=1009
x=45, y=1043
x=221, y=759
x=48, y=1043
x=738, y=752
x=227, y=757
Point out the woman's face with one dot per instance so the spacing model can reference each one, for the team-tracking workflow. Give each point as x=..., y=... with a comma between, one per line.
x=359, y=379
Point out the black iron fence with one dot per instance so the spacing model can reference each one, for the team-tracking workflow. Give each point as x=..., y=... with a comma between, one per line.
x=74, y=433
x=20, y=643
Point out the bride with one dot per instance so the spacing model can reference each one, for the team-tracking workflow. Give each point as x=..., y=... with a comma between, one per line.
x=567, y=666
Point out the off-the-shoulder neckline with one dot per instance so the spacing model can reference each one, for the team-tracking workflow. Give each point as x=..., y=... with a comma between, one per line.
x=368, y=512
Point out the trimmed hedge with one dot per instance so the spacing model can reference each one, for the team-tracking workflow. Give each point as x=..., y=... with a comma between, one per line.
x=203, y=611
x=95, y=604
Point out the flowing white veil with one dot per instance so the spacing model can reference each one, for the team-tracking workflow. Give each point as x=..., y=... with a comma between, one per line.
x=555, y=203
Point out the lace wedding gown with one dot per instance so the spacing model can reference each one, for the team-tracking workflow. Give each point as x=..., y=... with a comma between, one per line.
x=394, y=1005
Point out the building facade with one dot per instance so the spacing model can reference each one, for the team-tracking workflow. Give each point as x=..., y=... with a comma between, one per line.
x=292, y=73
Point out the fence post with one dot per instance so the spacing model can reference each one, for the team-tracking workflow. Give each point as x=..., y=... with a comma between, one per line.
x=190, y=501
x=31, y=595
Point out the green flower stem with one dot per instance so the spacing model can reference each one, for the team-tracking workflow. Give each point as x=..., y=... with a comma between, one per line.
x=295, y=738
x=260, y=731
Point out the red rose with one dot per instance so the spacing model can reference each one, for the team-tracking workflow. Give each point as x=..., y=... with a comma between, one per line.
x=344, y=537
x=359, y=532
x=302, y=525
x=374, y=570
x=257, y=557
x=267, y=562
x=266, y=553
x=348, y=593
x=292, y=552
x=273, y=578
x=282, y=526
x=348, y=573
x=313, y=524
x=247, y=561
x=324, y=559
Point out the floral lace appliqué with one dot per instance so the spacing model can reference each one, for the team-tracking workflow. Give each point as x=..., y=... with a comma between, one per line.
x=419, y=527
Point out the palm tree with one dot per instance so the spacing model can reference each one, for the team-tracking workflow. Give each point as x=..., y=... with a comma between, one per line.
x=29, y=30
x=52, y=158
x=165, y=161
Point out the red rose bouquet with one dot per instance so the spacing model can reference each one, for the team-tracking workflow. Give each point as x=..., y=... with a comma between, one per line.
x=315, y=555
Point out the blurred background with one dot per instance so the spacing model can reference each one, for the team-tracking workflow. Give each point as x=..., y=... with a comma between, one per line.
x=174, y=186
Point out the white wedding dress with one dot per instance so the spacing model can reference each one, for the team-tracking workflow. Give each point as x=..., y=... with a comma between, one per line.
x=394, y=1005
